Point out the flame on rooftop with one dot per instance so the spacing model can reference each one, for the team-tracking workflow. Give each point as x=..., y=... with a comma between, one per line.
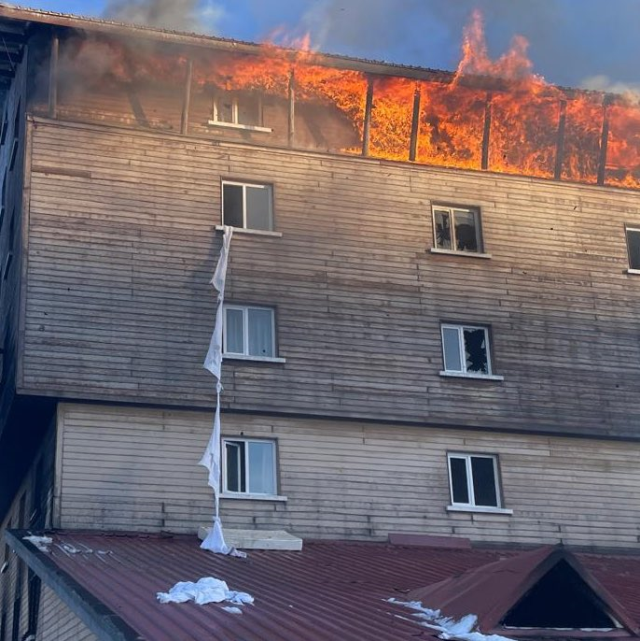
x=495, y=115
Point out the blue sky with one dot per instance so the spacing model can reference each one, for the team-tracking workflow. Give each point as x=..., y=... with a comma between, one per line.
x=573, y=42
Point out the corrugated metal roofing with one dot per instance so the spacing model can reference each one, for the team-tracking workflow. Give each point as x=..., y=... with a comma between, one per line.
x=329, y=591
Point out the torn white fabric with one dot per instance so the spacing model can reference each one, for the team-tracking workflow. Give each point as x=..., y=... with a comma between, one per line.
x=206, y=590
x=462, y=630
x=215, y=541
x=213, y=362
x=41, y=542
x=232, y=609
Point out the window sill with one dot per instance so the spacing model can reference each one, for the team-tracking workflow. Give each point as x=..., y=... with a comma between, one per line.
x=253, y=497
x=451, y=252
x=476, y=377
x=257, y=359
x=479, y=509
x=237, y=125
x=255, y=232
x=633, y=271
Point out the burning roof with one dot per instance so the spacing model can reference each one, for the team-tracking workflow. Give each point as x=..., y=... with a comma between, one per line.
x=489, y=115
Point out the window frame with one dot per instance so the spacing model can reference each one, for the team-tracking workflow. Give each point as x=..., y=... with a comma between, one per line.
x=235, y=116
x=226, y=493
x=245, y=355
x=464, y=373
x=244, y=184
x=451, y=209
x=471, y=506
x=636, y=230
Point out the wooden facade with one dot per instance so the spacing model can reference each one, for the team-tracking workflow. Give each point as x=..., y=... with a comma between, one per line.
x=122, y=244
x=112, y=200
x=127, y=469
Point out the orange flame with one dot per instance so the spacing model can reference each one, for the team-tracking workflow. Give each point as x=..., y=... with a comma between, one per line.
x=496, y=115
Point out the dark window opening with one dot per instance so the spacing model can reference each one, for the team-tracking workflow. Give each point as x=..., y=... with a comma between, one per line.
x=247, y=206
x=561, y=599
x=475, y=346
x=484, y=481
x=233, y=205
x=633, y=245
x=235, y=463
x=459, y=486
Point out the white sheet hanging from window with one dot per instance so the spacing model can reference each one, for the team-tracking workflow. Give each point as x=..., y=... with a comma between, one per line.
x=213, y=362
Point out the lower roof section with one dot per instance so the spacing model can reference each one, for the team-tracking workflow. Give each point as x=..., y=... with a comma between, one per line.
x=330, y=590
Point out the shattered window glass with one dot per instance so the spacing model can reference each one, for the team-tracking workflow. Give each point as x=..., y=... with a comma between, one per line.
x=475, y=347
x=225, y=109
x=457, y=229
x=466, y=349
x=633, y=243
x=443, y=229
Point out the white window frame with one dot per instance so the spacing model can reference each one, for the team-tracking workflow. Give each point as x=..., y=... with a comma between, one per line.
x=636, y=230
x=244, y=186
x=244, y=355
x=463, y=361
x=471, y=505
x=235, y=117
x=226, y=493
x=479, y=253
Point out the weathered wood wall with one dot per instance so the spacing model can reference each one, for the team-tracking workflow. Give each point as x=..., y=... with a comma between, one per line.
x=137, y=469
x=122, y=246
x=58, y=622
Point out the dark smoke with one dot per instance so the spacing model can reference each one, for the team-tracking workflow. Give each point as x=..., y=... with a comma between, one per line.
x=178, y=15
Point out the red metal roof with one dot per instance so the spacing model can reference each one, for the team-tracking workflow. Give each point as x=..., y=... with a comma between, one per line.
x=329, y=591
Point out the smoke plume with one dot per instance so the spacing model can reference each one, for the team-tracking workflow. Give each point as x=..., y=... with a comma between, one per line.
x=178, y=15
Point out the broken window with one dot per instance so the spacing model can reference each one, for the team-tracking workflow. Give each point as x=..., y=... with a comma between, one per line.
x=633, y=246
x=249, y=331
x=466, y=350
x=247, y=205
x=250, y=466
x=474, y=480
x=457, y=229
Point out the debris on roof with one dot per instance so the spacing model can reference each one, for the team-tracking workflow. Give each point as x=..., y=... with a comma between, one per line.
x=204, y=591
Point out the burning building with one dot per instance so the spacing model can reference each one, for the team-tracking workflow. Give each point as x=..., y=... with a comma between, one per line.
x=430, y=313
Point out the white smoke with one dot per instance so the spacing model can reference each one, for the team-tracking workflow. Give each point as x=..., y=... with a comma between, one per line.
x=201, y=16
x=602, y=82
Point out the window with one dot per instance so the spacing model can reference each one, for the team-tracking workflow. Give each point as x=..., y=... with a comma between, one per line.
x=466, y=350
x=473, y=479
x=633, y=246
x=457, y=229
x=249, y=331
x=247, y=205
x=249, y=466
x=238, y=110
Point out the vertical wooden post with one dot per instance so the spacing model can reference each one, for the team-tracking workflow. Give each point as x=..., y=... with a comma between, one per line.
x=604, y=142
x=562, y=123
x=53, y=76
x=486, y=133
x=415, y=123
x=292, y=108
x=186, y=101
x=366, y=134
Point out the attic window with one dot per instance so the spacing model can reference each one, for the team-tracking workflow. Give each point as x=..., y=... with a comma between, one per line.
x=560, y=600
x=239, y=111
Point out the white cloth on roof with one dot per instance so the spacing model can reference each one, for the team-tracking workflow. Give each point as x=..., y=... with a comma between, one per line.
x=206, y=590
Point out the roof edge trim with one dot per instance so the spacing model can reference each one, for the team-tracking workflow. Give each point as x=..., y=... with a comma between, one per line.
x=100, y=619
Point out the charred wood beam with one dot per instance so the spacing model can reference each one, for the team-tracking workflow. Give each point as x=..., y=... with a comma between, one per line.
x=562, y=122
x=291, y=131
x=415, y=123
x=604, y=141
x=53, y=76
x=366, y=133
x=486, y=133
x=186, y=100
